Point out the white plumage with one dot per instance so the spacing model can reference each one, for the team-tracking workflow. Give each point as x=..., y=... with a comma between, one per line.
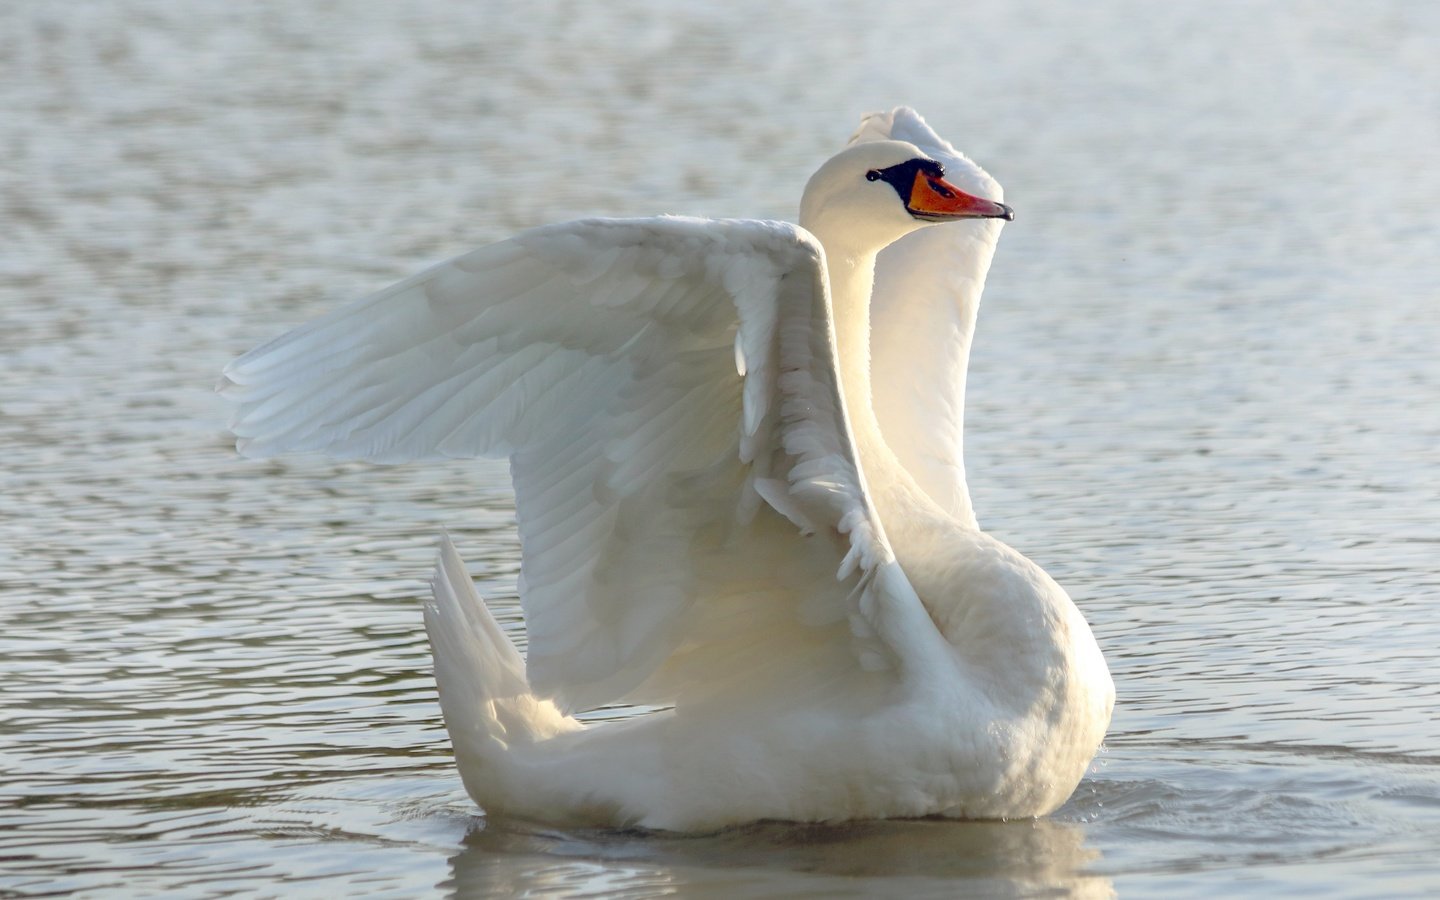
x=709, y=515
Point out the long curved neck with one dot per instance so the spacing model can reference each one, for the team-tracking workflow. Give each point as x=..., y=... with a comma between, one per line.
x=852, y=277
x=923, y=310
x=900, y=502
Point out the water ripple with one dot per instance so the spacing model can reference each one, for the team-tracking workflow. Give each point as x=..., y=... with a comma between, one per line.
x=1203, y=398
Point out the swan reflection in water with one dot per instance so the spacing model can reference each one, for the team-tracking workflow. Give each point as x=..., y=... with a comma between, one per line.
x=895, y=857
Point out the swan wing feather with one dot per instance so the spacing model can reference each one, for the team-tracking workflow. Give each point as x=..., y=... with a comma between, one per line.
x=689, y=502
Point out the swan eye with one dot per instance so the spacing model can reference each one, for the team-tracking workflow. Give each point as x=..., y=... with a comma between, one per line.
x=872, y=175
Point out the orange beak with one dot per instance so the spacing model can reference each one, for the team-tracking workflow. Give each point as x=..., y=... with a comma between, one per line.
x=936, y=198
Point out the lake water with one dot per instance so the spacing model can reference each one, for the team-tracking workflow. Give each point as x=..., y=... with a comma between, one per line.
x=1206, y=397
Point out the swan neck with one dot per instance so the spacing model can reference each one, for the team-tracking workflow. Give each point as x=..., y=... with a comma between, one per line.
x=850, y=267
x=852, y=278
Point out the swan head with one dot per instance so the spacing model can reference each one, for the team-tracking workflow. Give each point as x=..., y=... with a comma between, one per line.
x=872, y=194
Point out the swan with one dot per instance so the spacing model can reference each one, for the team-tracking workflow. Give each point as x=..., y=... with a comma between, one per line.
x=712, y=519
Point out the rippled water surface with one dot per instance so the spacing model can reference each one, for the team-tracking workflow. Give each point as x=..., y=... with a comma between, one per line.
x=1206, y=398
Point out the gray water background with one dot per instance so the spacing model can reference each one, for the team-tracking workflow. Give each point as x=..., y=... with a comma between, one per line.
x=1206, y=397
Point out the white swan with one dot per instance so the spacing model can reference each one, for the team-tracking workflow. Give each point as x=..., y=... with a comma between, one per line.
x=710, y=517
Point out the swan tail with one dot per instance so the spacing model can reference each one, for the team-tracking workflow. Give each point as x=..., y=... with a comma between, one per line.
x=489, y=709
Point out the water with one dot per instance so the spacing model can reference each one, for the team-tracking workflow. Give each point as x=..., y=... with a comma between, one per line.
x=1204, y=398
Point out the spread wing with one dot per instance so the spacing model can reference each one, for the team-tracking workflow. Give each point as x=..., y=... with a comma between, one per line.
x=927, y=292
x=666, y=392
